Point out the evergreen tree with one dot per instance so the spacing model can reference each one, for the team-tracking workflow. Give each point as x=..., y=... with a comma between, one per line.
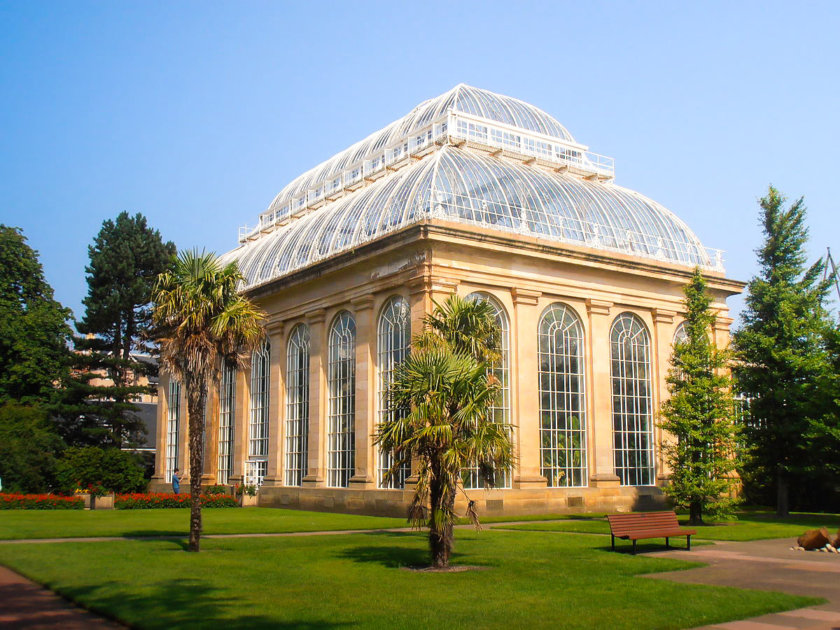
x=29, y=448
x=824, y=432
x=125, y=259
x=34, y=332
x=699, y=414
x=781, y=349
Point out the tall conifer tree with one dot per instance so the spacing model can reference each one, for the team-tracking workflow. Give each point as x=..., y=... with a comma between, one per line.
x=125, y=259
x=781, y=351
x=699, y=413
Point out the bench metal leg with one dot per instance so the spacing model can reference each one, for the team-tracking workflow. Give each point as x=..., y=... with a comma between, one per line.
x=634, y=547
x=613, y=541
x=688, y=539
x=667, y=545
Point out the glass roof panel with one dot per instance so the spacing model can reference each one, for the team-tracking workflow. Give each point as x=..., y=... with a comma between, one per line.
x=466, y=186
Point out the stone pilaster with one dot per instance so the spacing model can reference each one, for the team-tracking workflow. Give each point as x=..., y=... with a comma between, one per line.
x=599, y=397
x=664, y=327
x=364, y=475
x=160, y=432
x=211, y=435
x=524, y=380
x=317, y=398
x=276, y=397
x=241, y=414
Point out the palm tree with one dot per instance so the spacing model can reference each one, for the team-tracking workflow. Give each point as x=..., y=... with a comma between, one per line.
x=449, y=389
x=202, y=322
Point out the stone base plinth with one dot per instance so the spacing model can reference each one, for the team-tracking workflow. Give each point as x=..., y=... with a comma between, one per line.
x=495, y=502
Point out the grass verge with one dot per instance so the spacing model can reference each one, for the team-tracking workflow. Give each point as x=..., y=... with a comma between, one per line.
x=356, y=580
x=752, y=525
x=20, y=524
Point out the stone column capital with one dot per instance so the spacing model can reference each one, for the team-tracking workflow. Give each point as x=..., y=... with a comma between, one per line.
x=598, y=307
x=419, y=284
x=274, y=327
x=663, y=316
x=444, y=285
x=525, y=296
x=317, y=316
x=362, y=303
x=723, y=323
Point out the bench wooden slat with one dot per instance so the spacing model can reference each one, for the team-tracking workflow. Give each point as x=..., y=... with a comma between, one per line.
x=645, y=525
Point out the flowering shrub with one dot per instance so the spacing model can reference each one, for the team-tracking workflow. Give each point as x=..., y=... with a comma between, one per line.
x=217, y=489
x=40, y=502
x=160, y=500
x=93, y=489
x=249, y=489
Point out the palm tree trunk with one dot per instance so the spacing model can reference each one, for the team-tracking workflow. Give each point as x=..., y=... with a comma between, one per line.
x=441, y=533
x=196, y=397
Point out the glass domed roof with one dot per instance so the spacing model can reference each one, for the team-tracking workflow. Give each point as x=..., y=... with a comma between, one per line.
x=477, y=188
x=462, y=98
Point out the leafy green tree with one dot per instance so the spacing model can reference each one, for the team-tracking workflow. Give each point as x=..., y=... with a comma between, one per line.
x=700, y=414
x=125, y=259
x=780, y=347
x=110, y=468
x=34, y=333
x=29, y=446
x=449, y=389
x=202, y=322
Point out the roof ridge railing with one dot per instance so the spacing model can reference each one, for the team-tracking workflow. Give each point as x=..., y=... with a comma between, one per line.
x=453, y=126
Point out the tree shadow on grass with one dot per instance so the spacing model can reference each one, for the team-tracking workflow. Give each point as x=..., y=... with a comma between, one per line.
x=392, y=557
x=183, y=603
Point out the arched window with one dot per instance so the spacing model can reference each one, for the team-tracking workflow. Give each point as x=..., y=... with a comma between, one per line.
x=227, y=406
x=562, y=399
x=631, y=401
x=173, y=425
x=393, y=343
x=501, y=370
x=257, y=465
x=680, y=334
x=341, y=377
x=297, y=405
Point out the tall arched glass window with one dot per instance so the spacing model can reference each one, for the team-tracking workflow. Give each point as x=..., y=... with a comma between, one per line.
x=680, y=334
x=227, y=406
x=257, y=464
x=562, y=399
x=501, y=409
x=631, y=401
x=297, y=405
x=393, y=344
x=341, y=380
x=173, y=426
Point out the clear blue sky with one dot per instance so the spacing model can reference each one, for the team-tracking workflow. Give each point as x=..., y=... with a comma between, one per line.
x=197, y=113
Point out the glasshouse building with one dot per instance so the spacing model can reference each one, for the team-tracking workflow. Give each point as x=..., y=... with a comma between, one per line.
x=484, y=196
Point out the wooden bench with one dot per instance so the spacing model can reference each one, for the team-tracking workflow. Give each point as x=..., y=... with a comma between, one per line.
x=642, y=525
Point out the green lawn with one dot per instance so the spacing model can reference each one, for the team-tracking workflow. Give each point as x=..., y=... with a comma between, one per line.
x=18, y=524
x=534, y=580
x=751, y=525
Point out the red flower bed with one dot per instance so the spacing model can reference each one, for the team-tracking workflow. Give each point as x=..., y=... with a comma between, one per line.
x=40, y=502
x=148, y=501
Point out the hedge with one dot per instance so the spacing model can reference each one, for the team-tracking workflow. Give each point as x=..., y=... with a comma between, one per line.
x=14, y=501
x=159, y=500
